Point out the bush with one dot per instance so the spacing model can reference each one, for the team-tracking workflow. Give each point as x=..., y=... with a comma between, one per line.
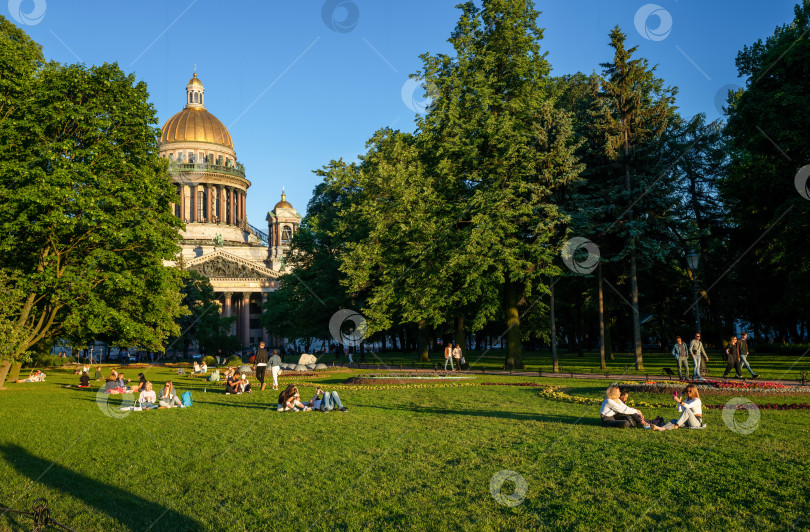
x=234, y=361
x=210, y=361
x=783, y=349
x=46, y=360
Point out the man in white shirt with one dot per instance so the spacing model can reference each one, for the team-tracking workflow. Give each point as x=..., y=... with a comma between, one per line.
x=697, y=351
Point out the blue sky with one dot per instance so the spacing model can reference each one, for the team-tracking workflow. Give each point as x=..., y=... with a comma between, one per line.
x=297, y=87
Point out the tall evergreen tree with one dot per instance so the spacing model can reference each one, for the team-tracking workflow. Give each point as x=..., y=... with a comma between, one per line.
x=635, y=109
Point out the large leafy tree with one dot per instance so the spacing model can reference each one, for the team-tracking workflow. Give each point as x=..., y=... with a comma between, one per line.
x=499, y=149
x=85, y=218
x=767, y=133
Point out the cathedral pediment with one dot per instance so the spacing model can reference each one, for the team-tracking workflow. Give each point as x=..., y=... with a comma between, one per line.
x=222, y=265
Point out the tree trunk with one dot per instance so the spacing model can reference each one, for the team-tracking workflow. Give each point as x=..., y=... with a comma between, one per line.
x=421, y=337
x=580, y=326
x=636, y=316
x=4, y=367
x=402, y=342
x=14, y=374
x=555, y=363
x=514, y=357
x=602, y=338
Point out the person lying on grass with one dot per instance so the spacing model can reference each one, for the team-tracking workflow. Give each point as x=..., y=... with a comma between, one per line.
x=168, y=398
x=329, y=402
x=613, y=409
x=147, y=398
x=34, y=376
x=691, y=409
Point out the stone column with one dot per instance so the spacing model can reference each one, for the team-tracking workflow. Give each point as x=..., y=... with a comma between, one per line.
x=220, y=203
x=245, y=319
x=183, y=202
x=264, y=331
x=244, y=206
x=226, y=307
x=192, y=196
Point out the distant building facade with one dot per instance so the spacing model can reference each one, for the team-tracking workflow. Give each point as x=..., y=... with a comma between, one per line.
x=242, y=262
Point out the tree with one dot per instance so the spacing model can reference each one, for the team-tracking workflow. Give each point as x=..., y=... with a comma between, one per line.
x=203, y=321
x=499, y=149
x=86, y=219
x=767, y=139
x=635, y=108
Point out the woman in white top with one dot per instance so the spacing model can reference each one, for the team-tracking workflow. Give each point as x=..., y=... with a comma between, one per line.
x=197, y=369
x=147, y=399
x=691, y=409
x=614, y=410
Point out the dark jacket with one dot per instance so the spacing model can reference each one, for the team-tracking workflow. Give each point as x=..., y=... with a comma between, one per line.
x=733, y=354
x=261, y=357
x=743, y=347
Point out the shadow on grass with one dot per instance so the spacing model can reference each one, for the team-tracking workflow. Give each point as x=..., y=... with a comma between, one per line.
x=501, y=414
x=134, y=512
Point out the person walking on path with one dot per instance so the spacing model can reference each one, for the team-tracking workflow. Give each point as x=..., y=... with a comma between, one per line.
x=275, y=367
x=261, y=364
x=457, y=356
x=698, y=355
x=680, y=353
x=448, y=356
x=733, y=358
x=744, y=355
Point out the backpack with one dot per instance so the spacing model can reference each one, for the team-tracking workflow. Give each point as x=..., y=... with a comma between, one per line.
x=214, y=377
x=186, y=398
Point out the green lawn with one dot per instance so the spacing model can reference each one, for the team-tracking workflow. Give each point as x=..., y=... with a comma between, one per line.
x=399, y=459
x=768, y=366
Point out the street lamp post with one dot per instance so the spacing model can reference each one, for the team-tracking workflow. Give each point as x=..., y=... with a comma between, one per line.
x=692, y=260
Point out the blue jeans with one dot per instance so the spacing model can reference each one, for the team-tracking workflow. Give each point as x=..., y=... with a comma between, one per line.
x=330, y=401
x=744, y=362
x=683, y=363
x=446, y=360
x=696, y=361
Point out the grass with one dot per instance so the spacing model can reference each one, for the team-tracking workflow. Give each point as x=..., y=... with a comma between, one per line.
x=399, y=459
x=768, y=366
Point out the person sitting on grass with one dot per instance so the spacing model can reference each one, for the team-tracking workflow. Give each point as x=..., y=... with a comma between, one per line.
x=197, y=369
x=327, y=403
x=229, y=372
x=232, y=384
x=290, y=399
x=617, y=414
x=203, y=368
x=84, y=380
x=99, y=376
x=691, y=410
x=147, y=399
x=168, y=398
x=244, y=385
x=141, y=384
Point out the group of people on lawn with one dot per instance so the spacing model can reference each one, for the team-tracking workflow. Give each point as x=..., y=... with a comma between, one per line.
x=736, y=356
x=615, y=413
x=290, y=400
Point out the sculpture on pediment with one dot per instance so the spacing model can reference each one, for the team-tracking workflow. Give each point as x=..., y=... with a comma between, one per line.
x=220, y=267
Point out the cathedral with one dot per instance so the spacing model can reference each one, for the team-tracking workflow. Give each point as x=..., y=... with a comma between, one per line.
x=242, y=261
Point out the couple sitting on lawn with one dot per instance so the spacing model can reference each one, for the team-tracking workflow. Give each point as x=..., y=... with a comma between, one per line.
x=617, y=414
x=35, y=376
x=290, y=399
x=237, y=384
x=200, y=369
x=167, y=398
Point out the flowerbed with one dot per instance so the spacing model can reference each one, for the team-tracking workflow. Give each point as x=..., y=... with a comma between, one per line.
x=376, y=385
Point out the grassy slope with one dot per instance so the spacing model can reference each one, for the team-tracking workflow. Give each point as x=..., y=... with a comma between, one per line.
x=399, y=459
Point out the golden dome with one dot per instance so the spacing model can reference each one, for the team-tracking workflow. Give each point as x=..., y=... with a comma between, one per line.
x=195, y=124
x=283, y=204
x=195, y=81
